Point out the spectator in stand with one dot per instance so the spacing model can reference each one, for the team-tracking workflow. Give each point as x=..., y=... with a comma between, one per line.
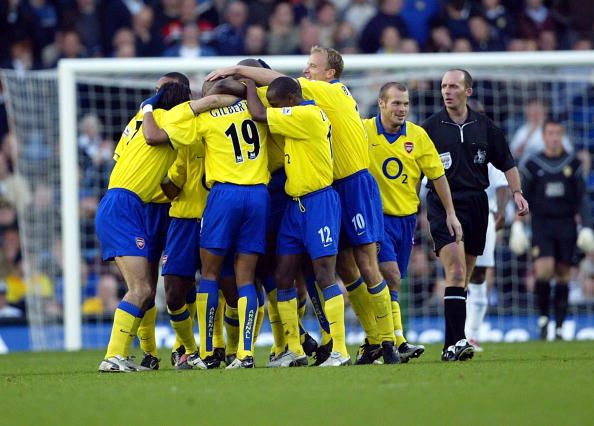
x=260, y=11
x=189, y=45
x=228, y=38
x=309, y=36
x=46, y=24
x=21, y=57
x=148, y=42
x=84, y=17
x=117, y=14
x=527, y=139
x=388, y=15
x=547, y=40
x=326, y=20
x=417, y=15
x=304, y=9
x=16, y=23
x=358, y=13
x=6, y=310
x=440, y=39
x=255, y=40
x=70, y=47
x=534, y=19
x=462, y=45
x=409, y=45
x=284, y=35
x=501, y=22
x=106, y=298
x=578, y=16
x=389, y=41
x=455, y=17
x=167, y=21
x=123, y=38
x=483, y=39
x=345, y=39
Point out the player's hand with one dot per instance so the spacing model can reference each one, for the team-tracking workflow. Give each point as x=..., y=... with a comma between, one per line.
x=518, y=240
x=221, y=73
x=454, y=227
x=153, y=100
x=521, y=204
x=499, y=221
x=585, y=240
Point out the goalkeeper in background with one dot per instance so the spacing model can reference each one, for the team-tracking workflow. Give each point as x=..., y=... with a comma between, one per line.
x=554, y=186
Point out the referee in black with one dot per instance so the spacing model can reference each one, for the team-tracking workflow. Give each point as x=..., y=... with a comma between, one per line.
x=555, y=187
x=466, y=142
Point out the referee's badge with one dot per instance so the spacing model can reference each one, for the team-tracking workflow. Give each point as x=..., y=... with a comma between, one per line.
x=140, y=242
x=409, y=146
x=446, y=160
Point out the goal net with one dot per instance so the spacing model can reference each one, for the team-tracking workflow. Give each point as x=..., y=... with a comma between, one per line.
x=66, y=123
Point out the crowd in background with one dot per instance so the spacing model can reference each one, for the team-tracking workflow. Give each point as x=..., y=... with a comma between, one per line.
x=35, y=34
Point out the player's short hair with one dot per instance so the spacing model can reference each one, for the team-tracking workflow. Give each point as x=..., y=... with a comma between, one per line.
x=383, y=93
x=250, y=62
x=550, y=121
x=467, y=77
x=173, y=94
x=283, y=87
x=333, y=59
x=179, y=77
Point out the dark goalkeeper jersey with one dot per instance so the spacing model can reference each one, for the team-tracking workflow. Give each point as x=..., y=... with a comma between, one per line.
x=553, y=186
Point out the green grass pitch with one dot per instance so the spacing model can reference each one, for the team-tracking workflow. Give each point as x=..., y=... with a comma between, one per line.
x=526, y=384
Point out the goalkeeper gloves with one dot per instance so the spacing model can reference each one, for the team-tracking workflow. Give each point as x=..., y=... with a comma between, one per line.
x=585, y=240
x=518, y=240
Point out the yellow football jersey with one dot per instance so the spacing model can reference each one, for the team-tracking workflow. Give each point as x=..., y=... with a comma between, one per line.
x=351, y=151
x=398, y=162
x=308, y=146
x=187, y=173
x=139, y=167
x=236, y=146
x=276, y=143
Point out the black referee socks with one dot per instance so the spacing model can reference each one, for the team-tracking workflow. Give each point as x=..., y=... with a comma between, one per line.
x=454, y=303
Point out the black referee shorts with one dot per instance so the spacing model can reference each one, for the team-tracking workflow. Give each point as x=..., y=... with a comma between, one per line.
x=472, y=210
x=554, y=237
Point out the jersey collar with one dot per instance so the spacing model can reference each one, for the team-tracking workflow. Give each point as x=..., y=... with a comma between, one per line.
x=334, y=81
x=391, y=137
x=472, y=115
x=308, y=102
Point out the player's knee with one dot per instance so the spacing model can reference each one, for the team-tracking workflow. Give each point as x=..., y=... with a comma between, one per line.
x=392, y=276
x=325, y=274
x=141, y=294
x=456, y=275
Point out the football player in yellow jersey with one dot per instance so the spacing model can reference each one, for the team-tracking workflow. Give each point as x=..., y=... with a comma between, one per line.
x=121, y=220
x=401, y=153
x=235, y=216
x=311, y=221
x=362, y=219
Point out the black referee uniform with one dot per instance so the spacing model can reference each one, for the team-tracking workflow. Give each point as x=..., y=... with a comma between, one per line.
x=465, y=151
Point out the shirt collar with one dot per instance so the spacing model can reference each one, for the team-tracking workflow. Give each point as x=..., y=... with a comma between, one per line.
x=308, y=102
x=391, y=137
x=334, y=81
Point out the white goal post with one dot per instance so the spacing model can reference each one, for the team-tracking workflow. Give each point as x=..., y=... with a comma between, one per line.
x=70, y=70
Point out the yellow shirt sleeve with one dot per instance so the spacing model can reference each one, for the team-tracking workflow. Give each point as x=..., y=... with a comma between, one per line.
x=429, y=161
x=180, y=124
x=261, y=91
x=317, y=90
x=288, y=122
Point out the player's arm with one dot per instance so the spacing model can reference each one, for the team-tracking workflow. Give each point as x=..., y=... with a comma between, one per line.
x=169, y=188
x=177, y=174
x=255, y=105
x=502, y=197
x=442, y=187
x=513, y=179
x=262, y=76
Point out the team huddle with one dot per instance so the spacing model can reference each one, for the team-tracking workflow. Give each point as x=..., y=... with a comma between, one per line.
x=273, y=185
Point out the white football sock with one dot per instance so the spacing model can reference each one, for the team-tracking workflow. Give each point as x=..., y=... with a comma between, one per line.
x=476, y=308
